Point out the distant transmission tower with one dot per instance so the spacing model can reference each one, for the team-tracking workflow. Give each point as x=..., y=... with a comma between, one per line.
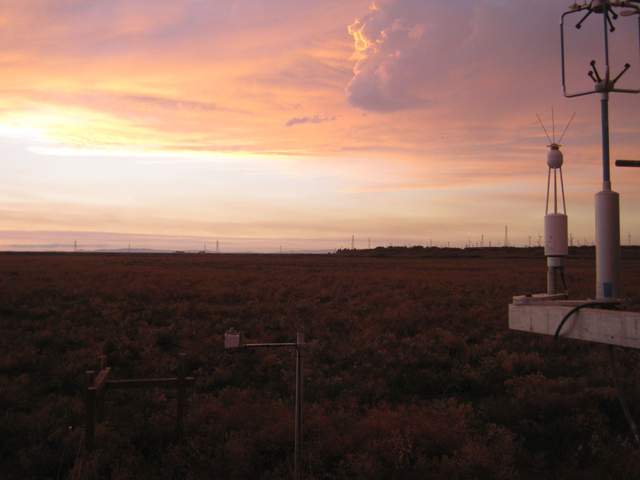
x=482, y=240
x=217, y=246
x=506, y=235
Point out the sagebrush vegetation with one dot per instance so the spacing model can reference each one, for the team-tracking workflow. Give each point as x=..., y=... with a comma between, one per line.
x=411, y=371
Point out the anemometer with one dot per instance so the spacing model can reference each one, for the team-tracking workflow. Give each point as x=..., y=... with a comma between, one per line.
x=553, y=313
x=607, y=201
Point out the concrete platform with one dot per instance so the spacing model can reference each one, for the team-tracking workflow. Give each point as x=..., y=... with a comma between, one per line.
x=590, y=324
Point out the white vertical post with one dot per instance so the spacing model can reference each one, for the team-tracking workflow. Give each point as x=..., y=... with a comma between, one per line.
x=607, y=245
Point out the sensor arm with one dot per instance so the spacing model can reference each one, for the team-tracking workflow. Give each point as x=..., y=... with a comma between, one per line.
x=624, y=70
x=579, y=24
x=580, y=94
x=611, y=27
x=625, y=90
x=628, y=163
x=595, y=71
x=563, y=55
x=564, y=80
x=594, y=74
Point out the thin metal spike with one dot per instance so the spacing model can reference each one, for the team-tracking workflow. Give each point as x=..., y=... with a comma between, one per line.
x=546, y=211
x=553, y=124
x=567, y=127
x=555, y=190
x=543, y=128
x=564, y=202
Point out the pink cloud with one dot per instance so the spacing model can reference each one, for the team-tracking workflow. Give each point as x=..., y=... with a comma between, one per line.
x=315, y=119
x=402, y=47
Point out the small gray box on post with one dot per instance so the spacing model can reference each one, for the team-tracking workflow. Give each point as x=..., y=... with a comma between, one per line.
x=232, y=339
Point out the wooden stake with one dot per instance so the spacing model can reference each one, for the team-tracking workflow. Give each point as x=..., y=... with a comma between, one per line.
x=90, y=412
x=182, y=366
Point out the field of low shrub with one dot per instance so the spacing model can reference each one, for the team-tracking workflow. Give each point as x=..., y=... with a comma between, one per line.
x=410, y=369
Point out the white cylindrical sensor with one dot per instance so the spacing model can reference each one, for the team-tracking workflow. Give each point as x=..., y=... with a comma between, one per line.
x=556, y=235
x=607, y=245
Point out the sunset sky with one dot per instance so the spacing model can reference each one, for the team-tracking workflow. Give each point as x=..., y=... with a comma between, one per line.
x=168, y=123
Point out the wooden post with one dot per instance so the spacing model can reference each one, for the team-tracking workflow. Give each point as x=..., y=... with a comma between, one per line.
x=90, y=412
x=100, y=392
x=97, y=384
x=100, y=405
x=182, y=366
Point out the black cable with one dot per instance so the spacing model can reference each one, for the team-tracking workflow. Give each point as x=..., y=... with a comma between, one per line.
x=580, y=307
x=621, y=400
x=623, y=404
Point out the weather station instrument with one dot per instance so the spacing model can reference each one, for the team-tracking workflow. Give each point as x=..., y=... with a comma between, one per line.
x=556, y=227
x=601, y=319
x=234, y=341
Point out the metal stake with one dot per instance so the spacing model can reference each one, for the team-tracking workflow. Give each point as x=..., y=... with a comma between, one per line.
x=234, y=340
x=298, y=413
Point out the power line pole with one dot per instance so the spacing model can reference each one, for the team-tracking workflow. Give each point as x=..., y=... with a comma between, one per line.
x=217, y=246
